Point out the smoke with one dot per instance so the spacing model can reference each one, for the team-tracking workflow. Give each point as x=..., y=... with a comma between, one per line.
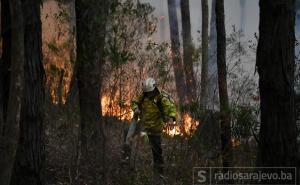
x=243, y=14
x=162, y=21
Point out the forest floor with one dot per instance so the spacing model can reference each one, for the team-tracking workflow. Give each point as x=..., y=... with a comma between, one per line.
x=103, y=164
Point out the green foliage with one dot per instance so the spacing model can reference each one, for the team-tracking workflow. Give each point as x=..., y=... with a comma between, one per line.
x=244, y=121
x=128, y=22
x=242, y=79
x=236, y=45
x=162, y=62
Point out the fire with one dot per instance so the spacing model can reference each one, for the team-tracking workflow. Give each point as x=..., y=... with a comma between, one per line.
x=175, y=131
x=187, y=127
x=190, y=124
x=235, y=142
x=117, y=108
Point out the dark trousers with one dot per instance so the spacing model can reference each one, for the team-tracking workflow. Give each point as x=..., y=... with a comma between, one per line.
x=155, y=141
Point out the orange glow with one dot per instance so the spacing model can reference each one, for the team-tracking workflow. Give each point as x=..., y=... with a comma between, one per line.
x=235, y=142
x=190, y=124
x=175, y=131
x=112, y=107
x=187, y=127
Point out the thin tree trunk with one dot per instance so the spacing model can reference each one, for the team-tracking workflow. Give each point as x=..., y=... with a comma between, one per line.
x=72, y=31
x=297, y=28
x=9, y=133
x=222, y=81
x=90, y=47
x=204, y=68
x=188, y=51
x=28, y=168
x=275, y=64
x=6, y=57
x=176, y=56
x=212, y=83
x=73, y=90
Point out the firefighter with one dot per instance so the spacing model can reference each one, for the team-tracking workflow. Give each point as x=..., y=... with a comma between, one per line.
x=156, y=109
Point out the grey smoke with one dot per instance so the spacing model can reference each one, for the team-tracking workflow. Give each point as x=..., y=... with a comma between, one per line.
x=243, y=14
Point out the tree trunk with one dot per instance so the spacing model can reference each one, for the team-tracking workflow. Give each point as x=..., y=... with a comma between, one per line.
x=188, y=51
x=297, y=26
x=6, y=58
x=176, y=56
x=212, y=82
x=28, y=169
x=204, y=68
x=73, y=90
x=72, y=31
x=9, y=133
x=222, y=81
x=275, y=64
x=60, y=88
x=90, y=48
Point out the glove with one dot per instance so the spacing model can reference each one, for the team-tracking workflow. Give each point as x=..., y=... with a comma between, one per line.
x=170, y=123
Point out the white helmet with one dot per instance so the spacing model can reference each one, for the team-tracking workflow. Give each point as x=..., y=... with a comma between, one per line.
x=149, y=85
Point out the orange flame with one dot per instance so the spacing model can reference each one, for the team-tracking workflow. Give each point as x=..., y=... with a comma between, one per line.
x=175, y=131
x=116, y=108
x=235, y=142
x=187, y=127
x=190, y=125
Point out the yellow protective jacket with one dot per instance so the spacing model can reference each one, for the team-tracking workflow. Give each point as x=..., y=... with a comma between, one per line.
x=155, y=110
